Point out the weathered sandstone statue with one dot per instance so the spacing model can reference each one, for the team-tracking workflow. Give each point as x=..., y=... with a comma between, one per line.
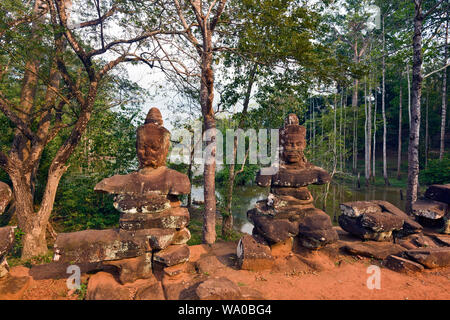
x=5, y=196
x=289, y=210
x=6, y=233
x=152, y=223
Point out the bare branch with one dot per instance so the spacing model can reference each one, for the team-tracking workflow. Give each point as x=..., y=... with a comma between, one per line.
x=218, y=14
x=5, y=107
x=100, y=20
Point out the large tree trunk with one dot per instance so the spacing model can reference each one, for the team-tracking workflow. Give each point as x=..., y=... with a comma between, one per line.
x=399, y=143
x=206, y=102
x=427, y=137
x=383, y=107
x=355, y=125
x=374, y=138
x=444, y=95
x=413, y=148
x=367, y=134
x=409, y=95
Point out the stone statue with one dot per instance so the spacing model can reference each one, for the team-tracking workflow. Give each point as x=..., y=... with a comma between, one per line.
x=152, y=226
x=289, y=211
x=154, y=187
x=295, y=171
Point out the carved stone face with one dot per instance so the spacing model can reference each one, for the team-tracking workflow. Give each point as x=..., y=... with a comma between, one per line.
x=152, y=146
x=293, y=141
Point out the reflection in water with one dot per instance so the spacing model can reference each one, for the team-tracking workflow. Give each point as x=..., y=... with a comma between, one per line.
x=245, y=197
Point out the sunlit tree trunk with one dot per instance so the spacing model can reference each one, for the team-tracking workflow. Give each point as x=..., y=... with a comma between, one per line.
x=413, y=148
x=444, y=95
x=383, y=110
x=399, y=139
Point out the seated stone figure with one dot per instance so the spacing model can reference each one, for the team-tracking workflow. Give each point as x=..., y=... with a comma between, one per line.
x=295, y=171
x=289, y=210
x=154, y=188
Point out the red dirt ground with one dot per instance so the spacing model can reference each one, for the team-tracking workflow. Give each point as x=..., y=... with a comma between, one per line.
x=322, y=275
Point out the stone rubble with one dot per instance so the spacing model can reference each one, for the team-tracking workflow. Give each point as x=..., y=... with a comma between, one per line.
x=434, y=210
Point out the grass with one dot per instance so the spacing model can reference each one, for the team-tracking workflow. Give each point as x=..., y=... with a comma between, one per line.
x=37, y=260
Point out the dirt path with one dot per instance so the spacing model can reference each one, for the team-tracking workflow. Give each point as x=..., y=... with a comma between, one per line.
x=322, y=275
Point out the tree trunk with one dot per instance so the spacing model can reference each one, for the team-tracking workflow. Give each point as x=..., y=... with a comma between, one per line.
x=355, y=125
x=427, y=137
x=34, y=242
x=409, y=95
x=367, y=123
x=399, y=144
x=383, y=108
x=444, y=95
x=227, y=222
x=206, y=102
x=341, y=147
x=413, y=148
x=374, y=137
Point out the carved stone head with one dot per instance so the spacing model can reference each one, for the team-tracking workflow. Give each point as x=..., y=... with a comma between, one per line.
x=293, y=141
x=152, y=141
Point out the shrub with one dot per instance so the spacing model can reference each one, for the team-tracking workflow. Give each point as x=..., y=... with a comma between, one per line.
x=438, y=172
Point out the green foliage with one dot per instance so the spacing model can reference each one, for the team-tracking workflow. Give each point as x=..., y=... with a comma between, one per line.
x=437, y=172
x=81, y=292
x=17, y=248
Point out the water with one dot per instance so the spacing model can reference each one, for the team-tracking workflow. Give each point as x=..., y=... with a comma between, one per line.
x=245, y=197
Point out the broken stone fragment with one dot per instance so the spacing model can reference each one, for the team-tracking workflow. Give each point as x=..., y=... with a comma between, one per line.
x=174, y=218
x=273, y=229
x=103, y=286
x=4, y=267
x=373, y=249
x=301, y=193
x=176, y=270
x=172, y=255
x=6, y=240
x=282, y=202
x=181, y=236
x=402, y=265
x=446, y=228
x=6, y=244
x=376, y=220
x=294, y=178
x=253, y=255
x=13, y=287
x=354, y=227
x=316, y=229
x=381, y=222
x=162, y=180
x=430, y=257
x=149, y=203
x=357, y=208
x=430, y=209
x=439, y=193
x=101, y=245
x=410, y=226
x=218, y=288
x=133, y=269
x=161, y=238
x=5, y=196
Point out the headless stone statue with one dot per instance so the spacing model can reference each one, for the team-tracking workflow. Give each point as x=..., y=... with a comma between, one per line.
x=154, y=188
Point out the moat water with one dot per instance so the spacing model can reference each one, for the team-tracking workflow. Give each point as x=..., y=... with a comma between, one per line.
x=245, y=197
